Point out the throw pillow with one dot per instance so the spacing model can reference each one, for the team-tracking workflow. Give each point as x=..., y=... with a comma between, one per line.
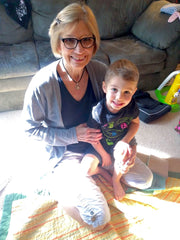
x=170, y=8
x=10, y=31
x=153, y=28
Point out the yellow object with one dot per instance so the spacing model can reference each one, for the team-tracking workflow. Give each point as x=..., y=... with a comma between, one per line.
x=172, y=91
x=170, y=97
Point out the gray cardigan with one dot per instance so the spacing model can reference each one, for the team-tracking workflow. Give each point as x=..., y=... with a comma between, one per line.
x=42, y=108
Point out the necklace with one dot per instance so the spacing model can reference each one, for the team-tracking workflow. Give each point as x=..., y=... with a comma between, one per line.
x=76, y=82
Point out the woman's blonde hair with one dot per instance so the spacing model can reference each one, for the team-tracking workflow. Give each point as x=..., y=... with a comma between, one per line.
x=73, y=13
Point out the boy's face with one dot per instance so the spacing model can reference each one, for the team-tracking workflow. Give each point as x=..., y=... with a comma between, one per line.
x=119, y=93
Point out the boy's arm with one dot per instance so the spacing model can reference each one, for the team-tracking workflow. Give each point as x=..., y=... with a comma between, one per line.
x=133, y=128
x=122, y=147
x=94, y=122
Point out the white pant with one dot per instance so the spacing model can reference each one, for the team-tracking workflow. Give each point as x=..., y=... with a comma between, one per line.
x=72, y=188
x=139, y=176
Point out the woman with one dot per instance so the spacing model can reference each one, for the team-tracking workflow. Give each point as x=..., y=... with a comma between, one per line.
x=57, y=104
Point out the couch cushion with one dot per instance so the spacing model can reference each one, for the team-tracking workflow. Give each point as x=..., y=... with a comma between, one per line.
x=102, y=57
x=18, y=60
x=147, y=59
x=43, y=13
x=153, y=28
x=11, y=100
x=149, y=81
x=10, y=31
x=116, y=17
x=14, y=84
x=44, y=52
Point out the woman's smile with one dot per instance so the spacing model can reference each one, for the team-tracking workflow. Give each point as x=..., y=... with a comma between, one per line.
x=78, y=57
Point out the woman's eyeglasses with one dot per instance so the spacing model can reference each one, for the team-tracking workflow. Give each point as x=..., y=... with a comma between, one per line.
x=71, y=43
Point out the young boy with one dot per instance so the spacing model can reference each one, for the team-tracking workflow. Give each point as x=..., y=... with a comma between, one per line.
x=117, y=117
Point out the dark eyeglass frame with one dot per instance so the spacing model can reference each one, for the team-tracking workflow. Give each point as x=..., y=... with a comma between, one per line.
x=77, y=41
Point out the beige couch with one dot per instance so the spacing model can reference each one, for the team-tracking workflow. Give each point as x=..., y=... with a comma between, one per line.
x=135, y=30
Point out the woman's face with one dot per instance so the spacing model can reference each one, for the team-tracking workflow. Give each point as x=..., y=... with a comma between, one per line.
x=78, y=57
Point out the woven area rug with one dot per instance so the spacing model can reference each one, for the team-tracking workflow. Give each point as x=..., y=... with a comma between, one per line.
x=148, y=215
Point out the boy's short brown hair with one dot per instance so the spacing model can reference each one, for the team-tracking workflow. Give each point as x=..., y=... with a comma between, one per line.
x=124, y=68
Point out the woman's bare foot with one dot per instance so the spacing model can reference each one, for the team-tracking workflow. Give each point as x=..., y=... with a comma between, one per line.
x=119, y=192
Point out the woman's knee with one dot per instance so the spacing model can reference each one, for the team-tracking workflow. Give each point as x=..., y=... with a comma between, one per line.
x=140, y=176
x=143, y=181
x=147, y=181
x=92, y=205
x=100, y=219
x=95, y=214
x=89, y=218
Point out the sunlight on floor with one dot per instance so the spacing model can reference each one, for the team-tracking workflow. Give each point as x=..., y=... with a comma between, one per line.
x=150, y=151
x=154, y=218
x=158, y=224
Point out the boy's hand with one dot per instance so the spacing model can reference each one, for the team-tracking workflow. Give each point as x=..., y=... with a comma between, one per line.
x=122, y=150
x=132, y=157
x=123, y=157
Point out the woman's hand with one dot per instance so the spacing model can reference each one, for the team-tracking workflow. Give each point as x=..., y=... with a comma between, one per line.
x=89, y=135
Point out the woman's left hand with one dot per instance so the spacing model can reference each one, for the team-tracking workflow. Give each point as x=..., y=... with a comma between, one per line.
x=87, y=134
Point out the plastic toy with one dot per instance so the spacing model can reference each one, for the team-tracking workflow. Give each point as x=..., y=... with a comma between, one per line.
x=173, y=91
x=177, y=128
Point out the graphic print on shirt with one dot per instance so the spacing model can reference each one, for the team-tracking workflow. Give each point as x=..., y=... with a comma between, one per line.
x=115, y=130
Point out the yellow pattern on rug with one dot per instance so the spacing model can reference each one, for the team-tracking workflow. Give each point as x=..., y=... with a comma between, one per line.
x=138, y=216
